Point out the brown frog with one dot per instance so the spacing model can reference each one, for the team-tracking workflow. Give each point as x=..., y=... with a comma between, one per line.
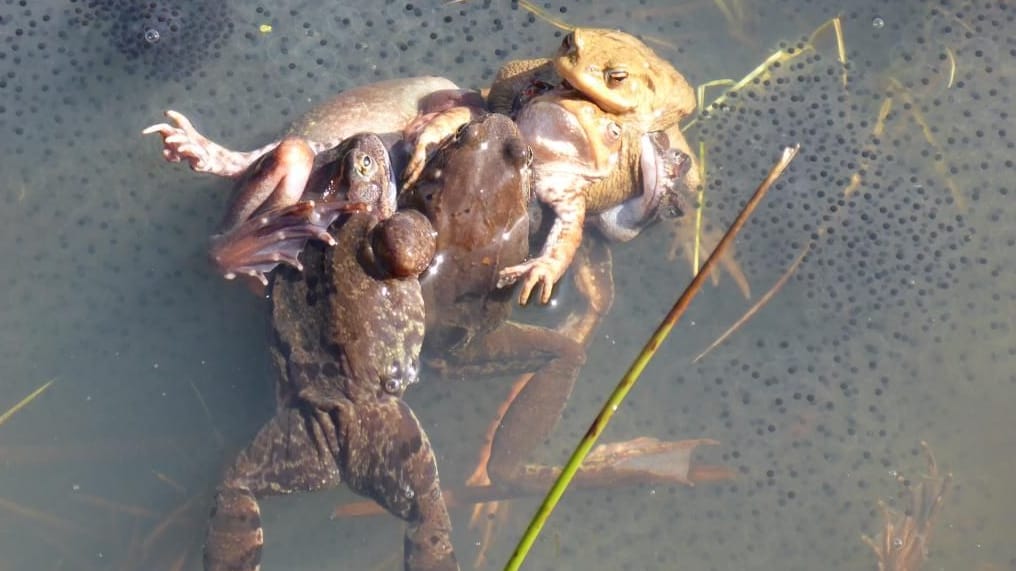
x=348, y=332
x=586, y=162
x=642, y=93
x=475, y=191
x=361, y=172
x=411, y=114
x=613, y=84
x=615, y=70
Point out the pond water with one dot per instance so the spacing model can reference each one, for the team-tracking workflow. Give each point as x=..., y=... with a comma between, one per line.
x=896, y=328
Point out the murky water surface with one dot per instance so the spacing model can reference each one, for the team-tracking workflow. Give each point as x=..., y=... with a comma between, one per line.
x=896, y=328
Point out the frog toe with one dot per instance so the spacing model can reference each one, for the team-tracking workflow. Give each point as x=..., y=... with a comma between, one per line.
x=259, y=245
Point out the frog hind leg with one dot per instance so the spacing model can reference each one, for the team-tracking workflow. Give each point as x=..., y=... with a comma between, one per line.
x=276, y=180
x=282, y=458
x=255, y=247
x=377, y=447
x=535, y=408
x=182, y=142
x=387, y=457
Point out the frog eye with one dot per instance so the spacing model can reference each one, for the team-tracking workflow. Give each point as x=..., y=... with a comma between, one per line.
x=568, y=41
x=613, y=131
x=616, y=77
x=460, y=133
x=366, y=162
x=393, y=386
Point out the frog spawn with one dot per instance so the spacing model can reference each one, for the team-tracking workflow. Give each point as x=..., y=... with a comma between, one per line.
x=162, y=39
x=852, y=397
x=813, y=394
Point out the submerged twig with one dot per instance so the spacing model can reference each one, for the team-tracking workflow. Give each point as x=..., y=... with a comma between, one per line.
x=219, y=440
x=631, y=377
x=465, y=495
x=903, y=543
x=758, y=305
x=42, y=517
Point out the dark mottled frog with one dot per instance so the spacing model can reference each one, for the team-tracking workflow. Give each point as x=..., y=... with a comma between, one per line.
x=348, y=332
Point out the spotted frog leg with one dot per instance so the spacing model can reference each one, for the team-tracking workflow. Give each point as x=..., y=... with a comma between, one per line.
x=379, y=450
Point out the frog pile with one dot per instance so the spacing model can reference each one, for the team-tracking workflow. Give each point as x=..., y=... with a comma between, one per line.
x=389, y=225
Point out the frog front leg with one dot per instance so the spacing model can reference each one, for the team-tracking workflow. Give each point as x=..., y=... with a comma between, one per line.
x=518, y=82
x=565, y=197
x=442, y=113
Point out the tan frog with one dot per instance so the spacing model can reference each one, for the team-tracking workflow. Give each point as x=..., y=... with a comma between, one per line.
x=586, y=135
x=475, y=191
x=615, y=70
x=587, y=162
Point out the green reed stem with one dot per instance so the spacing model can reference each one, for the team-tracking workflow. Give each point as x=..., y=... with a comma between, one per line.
x=631, y=377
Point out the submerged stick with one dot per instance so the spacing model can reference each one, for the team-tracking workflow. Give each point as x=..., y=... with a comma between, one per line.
x=479, y=494
x=631, y=377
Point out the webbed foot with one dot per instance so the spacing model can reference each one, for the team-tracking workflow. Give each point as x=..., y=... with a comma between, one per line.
x=257, y=246
x=182, y=142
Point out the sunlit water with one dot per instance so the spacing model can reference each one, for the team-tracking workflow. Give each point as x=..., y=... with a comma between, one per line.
x=897, y=328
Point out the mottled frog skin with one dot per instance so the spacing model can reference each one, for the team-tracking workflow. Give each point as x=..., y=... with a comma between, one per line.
x=616, y=71
x=348, y=332
x=475, y=190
